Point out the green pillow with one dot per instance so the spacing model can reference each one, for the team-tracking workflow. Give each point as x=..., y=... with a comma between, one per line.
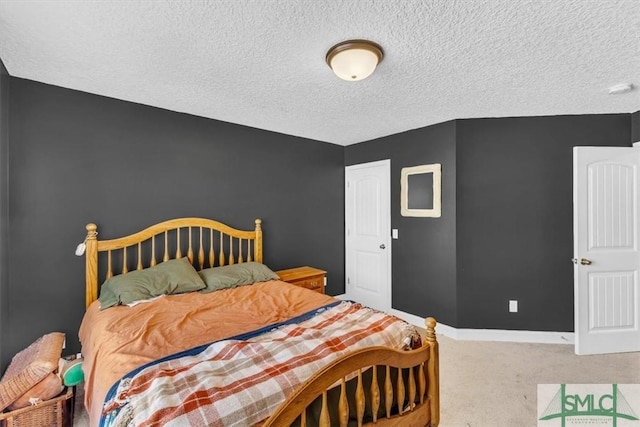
x=171, y=277
x=231, y=276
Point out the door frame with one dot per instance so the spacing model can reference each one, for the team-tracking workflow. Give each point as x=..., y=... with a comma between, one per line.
x=387, y=164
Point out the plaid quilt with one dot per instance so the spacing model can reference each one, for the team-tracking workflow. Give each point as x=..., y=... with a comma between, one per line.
x=237, y=382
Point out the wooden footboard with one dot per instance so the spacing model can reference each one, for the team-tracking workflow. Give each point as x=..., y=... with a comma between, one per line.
x=410, y=398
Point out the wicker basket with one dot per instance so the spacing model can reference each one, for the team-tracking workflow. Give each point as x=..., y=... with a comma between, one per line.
x=57, y=412
x=30, y=366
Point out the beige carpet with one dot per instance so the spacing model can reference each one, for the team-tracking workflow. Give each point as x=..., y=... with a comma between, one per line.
x=494, y=384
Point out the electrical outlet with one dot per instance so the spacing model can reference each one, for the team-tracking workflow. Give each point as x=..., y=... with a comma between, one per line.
x=513, y=306
x=394, y=233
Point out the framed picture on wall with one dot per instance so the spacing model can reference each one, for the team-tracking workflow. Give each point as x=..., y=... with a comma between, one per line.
x=420, y=191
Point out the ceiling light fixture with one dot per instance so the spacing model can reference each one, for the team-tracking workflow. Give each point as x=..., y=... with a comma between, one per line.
x=354, y=60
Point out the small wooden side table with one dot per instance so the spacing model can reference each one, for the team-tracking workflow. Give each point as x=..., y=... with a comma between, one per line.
x=306, y=277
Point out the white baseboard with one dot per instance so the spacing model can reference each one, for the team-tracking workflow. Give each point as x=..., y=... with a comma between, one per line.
x=538, y=337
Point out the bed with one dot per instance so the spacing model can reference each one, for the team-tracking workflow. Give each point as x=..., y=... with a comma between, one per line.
x=262, y=352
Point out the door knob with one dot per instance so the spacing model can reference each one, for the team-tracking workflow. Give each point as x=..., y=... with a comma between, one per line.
x=583, y=261
x=382, y=246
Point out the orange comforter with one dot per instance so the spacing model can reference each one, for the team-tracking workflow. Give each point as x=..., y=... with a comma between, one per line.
x=120, y=339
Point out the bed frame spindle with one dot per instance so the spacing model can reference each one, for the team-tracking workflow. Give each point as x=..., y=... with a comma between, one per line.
x=212, y=254
x=343, y=405
x=325, y=421
x=201, y=252
x=375, y=393
x=400, y=392
x=221, y=260
x=153, y=252
x=388, y=392
x=125, y=269
x=139, y=266
x=166, y=246
x=412, y=390
x=359, y=398
x=109, y=267
x=190, y=250
x=178, y=249
x=422, y=383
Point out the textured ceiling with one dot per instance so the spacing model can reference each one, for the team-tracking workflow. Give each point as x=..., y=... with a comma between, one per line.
x=261, y=63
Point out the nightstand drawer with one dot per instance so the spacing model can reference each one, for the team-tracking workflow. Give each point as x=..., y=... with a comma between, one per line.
x=315, y=283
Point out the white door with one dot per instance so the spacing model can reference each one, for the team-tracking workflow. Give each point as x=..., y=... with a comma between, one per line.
x=367, y=234
x=606, y=249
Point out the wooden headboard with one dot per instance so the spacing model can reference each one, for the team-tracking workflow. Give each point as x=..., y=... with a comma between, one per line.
x=208, y=243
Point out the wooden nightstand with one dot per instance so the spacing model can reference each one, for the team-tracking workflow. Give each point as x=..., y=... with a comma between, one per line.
x=307, y=277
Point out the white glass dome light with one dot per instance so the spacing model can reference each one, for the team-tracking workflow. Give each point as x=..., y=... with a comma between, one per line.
x=354, y=60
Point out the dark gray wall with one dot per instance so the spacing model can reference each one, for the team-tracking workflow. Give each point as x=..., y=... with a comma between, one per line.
x=79, y=158
x=635, y=127
x=424, y=256
x=515, y=216
x=506, y=226
x=4, y=217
